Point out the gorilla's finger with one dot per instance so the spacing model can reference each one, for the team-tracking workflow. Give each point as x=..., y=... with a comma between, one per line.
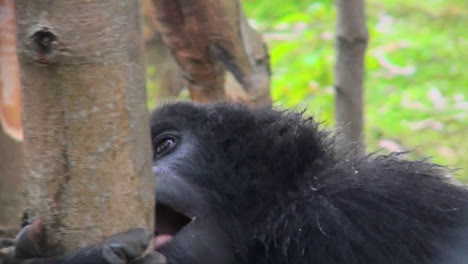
x=127, y=245
x=6, y=242
x=31, y=241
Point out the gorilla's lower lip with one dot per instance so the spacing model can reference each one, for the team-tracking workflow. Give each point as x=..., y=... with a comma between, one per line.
x=168, y=223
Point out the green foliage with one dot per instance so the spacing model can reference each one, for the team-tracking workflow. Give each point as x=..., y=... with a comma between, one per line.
x=416, y=78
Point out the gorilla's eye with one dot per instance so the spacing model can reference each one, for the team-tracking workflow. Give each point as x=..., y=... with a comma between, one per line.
x=163, y=145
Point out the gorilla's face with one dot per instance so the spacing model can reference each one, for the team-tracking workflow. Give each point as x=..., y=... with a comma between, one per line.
x=221, y=172
x=189, y=221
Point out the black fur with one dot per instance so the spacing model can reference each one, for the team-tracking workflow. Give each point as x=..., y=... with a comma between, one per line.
x=284, y=196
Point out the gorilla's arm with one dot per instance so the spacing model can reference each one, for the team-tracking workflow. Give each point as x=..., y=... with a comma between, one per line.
x=127, y=247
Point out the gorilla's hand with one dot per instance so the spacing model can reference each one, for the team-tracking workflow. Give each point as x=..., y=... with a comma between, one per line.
x=6, y=245
x=124, y=248
x=6, y=242
x=6, y=249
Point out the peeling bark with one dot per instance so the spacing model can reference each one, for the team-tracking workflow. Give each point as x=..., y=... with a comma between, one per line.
x=209, y=38
x=87, y=143
x=11, y=152
x=10, y=89
x=351, y=43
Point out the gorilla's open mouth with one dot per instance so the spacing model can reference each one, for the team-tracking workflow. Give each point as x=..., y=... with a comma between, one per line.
x=168, y=223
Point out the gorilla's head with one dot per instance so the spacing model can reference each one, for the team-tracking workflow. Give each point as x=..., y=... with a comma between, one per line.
x=222, y=171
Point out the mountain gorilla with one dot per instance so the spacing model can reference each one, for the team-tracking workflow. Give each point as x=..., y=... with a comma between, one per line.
x=238, y=185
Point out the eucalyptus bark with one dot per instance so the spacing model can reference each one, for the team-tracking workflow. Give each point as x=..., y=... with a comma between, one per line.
x=211, y=42
x=351, y=43
x=11, y=153
x=87, y=144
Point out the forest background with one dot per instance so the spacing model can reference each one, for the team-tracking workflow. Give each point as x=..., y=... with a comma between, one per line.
x=416, y=84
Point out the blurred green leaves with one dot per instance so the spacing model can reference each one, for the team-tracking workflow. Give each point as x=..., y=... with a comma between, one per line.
x=416, y=79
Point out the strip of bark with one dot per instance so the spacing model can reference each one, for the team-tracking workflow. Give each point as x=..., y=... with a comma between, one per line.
x=11, y=152
x=10, y=88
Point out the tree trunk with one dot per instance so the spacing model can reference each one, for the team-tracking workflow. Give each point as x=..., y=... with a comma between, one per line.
x=87, y=144
x=351, y=43
x=208, y=39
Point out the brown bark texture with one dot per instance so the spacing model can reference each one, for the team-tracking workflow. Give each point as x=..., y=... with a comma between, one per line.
x=211, y=40
x=87, y=144
x=351, y=43
x=10, y=89
x=11, y=192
